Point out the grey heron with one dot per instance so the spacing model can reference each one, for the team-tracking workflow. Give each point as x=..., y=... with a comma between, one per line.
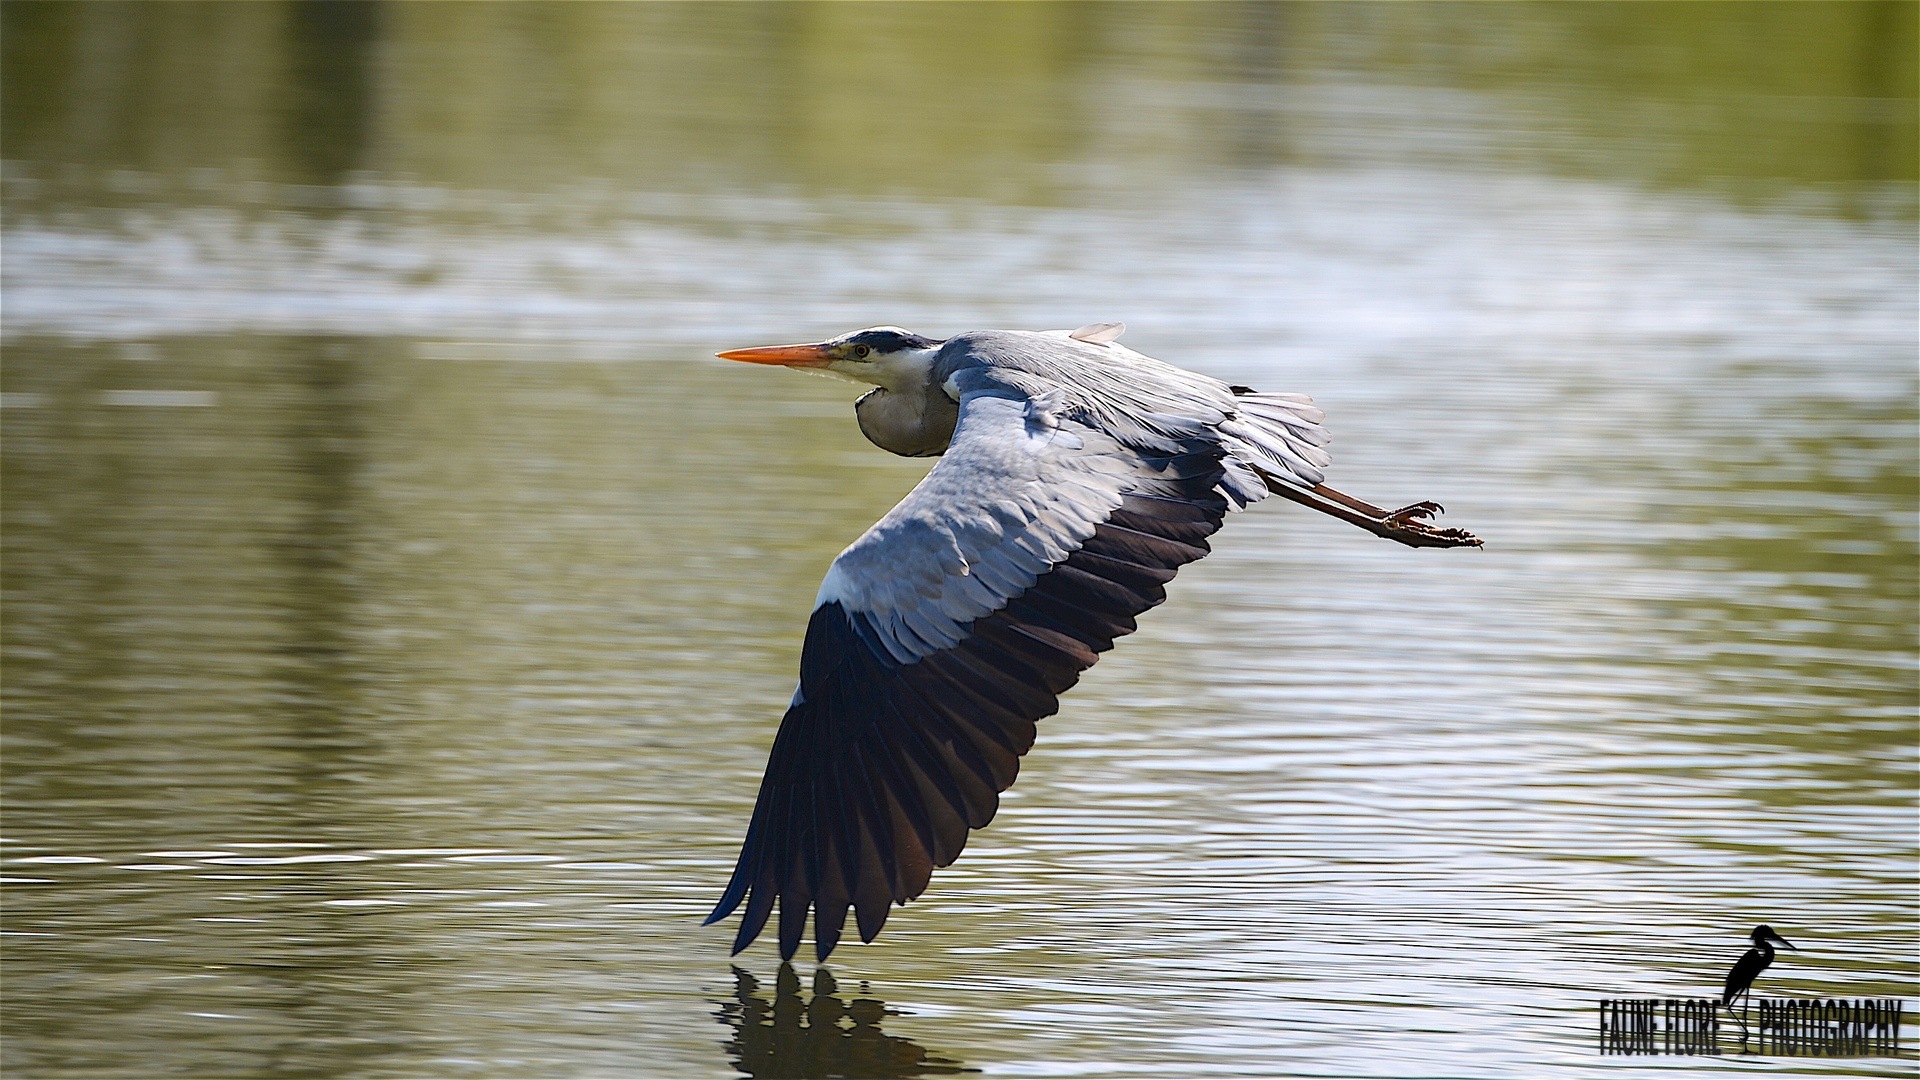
x=1751, y=964
x=1076, y=476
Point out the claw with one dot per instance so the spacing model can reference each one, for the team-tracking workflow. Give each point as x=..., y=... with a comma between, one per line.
x=1411, y=530
x=1416, y=511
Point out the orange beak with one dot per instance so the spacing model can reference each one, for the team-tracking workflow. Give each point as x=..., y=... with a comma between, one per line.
x=790, y=355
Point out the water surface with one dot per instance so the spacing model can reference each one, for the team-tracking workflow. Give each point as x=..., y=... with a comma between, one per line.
x=399, y=601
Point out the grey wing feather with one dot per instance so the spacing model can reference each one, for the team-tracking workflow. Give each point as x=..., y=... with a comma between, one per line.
x=1149, y=404
x=941, y=635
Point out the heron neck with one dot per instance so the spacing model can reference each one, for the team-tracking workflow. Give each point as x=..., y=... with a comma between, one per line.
x=917, y=422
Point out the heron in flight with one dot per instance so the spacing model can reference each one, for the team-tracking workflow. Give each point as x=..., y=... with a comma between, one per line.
x=1751, y=964
x=1075, y=477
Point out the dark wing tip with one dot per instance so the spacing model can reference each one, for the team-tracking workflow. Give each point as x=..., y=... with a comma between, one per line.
x=736, y=890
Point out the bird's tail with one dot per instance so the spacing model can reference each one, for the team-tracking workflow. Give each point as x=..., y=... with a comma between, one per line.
x=1278, y=434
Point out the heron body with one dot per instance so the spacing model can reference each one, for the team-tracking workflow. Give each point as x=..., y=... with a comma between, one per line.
x=1076, y=477
x=1751, y=963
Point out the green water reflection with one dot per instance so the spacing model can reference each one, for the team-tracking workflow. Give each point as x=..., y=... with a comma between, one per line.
x=1022, y=102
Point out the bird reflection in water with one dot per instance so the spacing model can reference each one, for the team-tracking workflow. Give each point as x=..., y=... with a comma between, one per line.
x=820, y=1037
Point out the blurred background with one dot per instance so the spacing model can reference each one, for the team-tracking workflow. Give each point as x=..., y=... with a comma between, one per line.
x=399, y=600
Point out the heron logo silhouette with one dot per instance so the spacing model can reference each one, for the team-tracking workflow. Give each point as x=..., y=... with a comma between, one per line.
x=1803, y=1027
x=1749, y=966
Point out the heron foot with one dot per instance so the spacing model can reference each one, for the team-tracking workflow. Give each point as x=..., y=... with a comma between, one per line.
x=1409, y=525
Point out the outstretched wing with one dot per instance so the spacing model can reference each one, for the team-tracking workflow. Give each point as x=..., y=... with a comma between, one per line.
x=941, y=635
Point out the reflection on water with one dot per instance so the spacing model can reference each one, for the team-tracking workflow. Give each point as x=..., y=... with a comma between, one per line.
x=819, y=1036
x=398, y=602
x=1025, y=103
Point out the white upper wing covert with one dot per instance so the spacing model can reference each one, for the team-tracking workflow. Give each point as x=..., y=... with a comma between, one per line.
x=1015, y=493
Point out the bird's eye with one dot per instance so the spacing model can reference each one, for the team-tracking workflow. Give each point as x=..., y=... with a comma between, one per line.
x=860, y=352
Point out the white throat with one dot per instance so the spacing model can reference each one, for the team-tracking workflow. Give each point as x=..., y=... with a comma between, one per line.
x=901, y=372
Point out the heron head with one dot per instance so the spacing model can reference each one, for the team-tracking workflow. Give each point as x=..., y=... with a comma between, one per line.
x=881, y=355
x=1765, y=933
